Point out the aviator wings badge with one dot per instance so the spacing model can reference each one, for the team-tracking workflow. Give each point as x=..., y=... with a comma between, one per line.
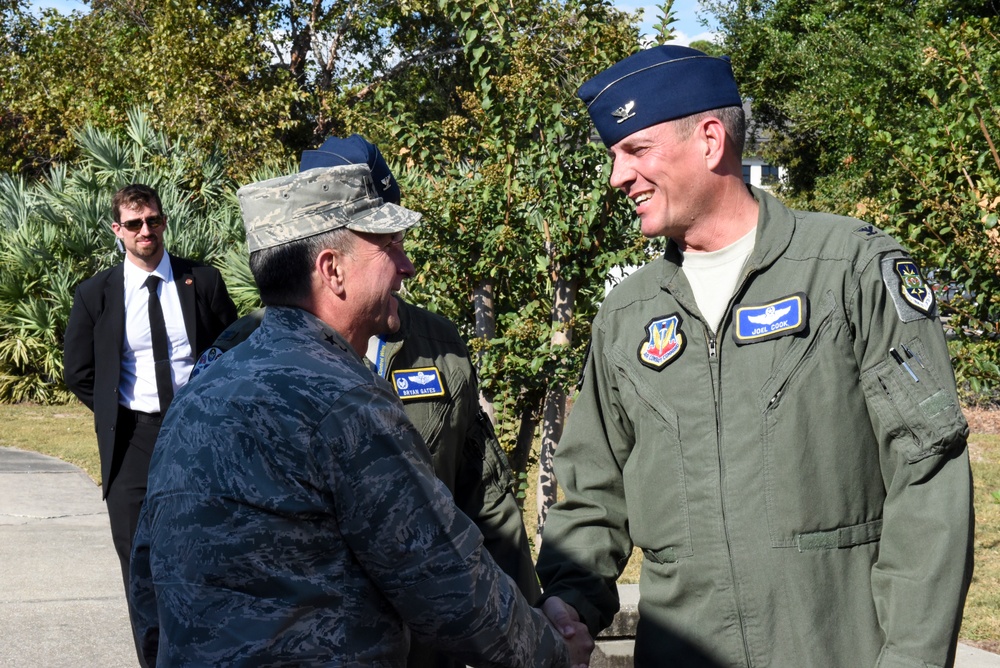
x=418, y=383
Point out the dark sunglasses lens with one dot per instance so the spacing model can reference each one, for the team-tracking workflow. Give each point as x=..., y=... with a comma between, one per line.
x=152, y=222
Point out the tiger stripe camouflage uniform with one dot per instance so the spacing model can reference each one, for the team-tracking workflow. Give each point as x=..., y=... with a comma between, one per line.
x=302, y=524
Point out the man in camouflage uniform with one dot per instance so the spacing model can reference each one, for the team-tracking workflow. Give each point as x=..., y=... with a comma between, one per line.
x=443, y=405
x=429, y=366
x=292, y=516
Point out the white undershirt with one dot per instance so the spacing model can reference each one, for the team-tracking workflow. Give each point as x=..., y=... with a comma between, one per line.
x=713, y=276
x=137, y=383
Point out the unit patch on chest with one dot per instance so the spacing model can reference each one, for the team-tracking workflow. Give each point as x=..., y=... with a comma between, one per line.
x=665, y=342
x=418, y=383
x=760, y=322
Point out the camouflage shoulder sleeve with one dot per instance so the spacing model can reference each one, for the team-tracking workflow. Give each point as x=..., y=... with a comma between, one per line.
x=426, y=556
x=141, y=593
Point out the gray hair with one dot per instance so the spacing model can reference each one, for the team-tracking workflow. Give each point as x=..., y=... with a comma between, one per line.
x=284, y=273
x=733, y=118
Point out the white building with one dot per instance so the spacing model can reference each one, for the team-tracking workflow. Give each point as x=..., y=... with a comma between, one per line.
x=756, y=171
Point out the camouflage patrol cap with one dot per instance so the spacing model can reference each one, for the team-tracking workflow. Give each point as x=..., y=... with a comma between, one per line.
x=354, y=150
x=289, y=208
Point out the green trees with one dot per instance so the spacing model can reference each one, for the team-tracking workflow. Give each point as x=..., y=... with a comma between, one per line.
x=888, y=111
x=520, y=226
x=944, y=188
x=884, y=111
x=471, y=101
x=198, y=72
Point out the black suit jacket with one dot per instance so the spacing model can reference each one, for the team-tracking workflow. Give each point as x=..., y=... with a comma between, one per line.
x=96, y=328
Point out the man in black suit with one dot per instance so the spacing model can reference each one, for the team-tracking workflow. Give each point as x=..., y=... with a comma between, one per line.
x=118, y=361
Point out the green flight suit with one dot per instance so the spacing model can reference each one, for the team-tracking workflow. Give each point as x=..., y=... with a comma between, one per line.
x=799, y=497
x=464, y=448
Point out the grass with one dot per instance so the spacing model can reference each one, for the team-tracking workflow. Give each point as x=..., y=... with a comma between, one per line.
x=981, y=622
x=67, y=432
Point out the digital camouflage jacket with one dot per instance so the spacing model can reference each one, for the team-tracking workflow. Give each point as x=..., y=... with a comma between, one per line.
x=428, y=365
x=293, y=518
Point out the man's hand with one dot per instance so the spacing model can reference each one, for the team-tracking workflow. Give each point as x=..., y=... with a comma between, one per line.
x=567, y=621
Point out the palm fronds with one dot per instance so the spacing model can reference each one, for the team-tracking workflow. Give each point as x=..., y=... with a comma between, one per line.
x=56, y=232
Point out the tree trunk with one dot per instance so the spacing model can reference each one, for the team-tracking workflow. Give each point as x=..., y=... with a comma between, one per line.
x=552, y=426
x=521, y=453
x=554, y=414
x=486, y=328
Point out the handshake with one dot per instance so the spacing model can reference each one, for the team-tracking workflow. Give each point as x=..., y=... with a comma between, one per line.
x=567, y=622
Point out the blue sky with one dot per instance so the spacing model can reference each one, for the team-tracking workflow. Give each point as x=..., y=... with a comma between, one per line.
x=688, y=26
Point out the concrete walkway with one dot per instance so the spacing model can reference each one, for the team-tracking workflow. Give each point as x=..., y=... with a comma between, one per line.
x=62, y=603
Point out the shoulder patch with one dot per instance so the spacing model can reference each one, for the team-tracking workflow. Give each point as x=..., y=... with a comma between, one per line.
x=762, y=322
x=418, y=383
x=910, y=293
x=228, y=335
x=239, y=331
x=664, y=343
x=206, y=359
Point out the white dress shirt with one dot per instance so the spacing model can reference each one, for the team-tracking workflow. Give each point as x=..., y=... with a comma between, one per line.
x=137, y=386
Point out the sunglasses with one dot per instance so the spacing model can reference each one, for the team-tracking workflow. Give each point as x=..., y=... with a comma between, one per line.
x=152, y=222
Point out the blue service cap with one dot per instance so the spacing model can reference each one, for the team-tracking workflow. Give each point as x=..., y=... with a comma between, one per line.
x=354, y=150
x=657, y=85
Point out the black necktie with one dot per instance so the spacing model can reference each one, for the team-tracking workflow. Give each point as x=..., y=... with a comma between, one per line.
x=158, y=333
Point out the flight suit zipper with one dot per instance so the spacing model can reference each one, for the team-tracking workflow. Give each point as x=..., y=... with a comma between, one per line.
x=716, y=362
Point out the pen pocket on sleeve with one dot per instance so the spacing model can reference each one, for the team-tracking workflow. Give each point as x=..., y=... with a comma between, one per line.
x=911, y=406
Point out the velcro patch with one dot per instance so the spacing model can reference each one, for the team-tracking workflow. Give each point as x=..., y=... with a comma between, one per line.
x=664, y=343
x=762, y=322
x=418, y=383
x=911, y=295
